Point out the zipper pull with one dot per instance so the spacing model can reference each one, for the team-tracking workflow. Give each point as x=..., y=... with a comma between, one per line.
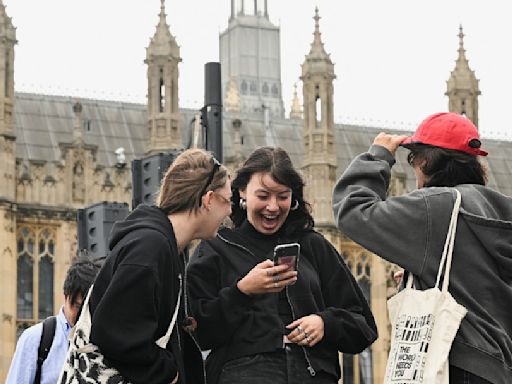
x=311, y=371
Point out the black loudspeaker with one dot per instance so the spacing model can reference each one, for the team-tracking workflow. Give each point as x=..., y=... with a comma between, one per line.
x=147, y=174
x=94, y=224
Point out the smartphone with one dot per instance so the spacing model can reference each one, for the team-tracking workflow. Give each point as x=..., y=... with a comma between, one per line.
x=287, y=254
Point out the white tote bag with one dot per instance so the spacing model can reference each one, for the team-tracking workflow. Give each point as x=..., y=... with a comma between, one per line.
x=85, y=362
x=424, y=324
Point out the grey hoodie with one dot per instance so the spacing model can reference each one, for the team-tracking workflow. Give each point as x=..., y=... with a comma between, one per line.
x=410, y=231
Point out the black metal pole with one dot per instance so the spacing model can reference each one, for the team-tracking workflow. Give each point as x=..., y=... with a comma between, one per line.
x=213, y=105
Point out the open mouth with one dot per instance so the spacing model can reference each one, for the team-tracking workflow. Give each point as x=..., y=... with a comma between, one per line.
x=269, y=221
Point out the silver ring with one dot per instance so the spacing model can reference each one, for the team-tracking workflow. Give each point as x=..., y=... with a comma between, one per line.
x=299, y=329
x=275, y=285
x=269, y=273
x=306, y=336
x=275, y=278
x=308, y=339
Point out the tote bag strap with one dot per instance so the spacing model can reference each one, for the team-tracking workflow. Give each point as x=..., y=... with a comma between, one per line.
x=162, y=342
x=448, y=245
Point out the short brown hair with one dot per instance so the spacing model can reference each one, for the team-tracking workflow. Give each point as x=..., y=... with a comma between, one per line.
x=187, y=179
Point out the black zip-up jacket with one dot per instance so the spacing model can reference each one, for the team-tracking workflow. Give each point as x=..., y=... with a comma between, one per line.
x=134, y=298
x=233, y=324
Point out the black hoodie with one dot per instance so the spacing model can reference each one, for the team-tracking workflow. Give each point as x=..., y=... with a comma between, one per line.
x=134, y=298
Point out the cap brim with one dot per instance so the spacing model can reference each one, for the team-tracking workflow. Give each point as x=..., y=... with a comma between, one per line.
x=408, y=142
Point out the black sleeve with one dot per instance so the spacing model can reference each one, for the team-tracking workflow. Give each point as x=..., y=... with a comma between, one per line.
x=125, y=321
x=348, y=320
x=218, y=310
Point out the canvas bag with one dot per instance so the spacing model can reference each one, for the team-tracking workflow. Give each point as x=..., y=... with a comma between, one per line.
x=85, y=362
x=424, y=324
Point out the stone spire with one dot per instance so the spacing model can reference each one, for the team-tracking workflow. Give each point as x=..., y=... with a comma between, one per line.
x=319, y=136
x=7, y=43
x=296, y=110
x=232, y=100
x=7, y=111
x=317, y=50
x=163, y=42
x=162, y=58
x=463, y=86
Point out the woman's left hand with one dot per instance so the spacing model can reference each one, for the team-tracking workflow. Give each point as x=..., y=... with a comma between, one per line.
x=308, y=331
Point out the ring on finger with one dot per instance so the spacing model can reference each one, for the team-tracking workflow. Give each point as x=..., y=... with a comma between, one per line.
x=308, y=339
x=275, y=278
x=299, y=329
x=269, y=273
x=306, y=335
x=275, y=285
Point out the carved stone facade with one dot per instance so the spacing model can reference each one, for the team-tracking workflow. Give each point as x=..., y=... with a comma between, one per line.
x=39, y=197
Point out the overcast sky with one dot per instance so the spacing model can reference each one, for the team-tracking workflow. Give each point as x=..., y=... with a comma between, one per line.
x=392, y=57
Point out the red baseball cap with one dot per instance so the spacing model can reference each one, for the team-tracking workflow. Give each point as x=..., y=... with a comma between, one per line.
x=448, y=130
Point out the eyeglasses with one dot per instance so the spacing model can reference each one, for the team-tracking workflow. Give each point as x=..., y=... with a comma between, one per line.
x=223, y=198
x=215, y=168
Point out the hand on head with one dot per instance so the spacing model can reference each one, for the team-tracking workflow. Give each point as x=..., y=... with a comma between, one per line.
x=390, y=142
x=267, y=278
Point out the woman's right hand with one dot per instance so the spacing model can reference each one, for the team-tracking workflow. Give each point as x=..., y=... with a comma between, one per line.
x=266, y=277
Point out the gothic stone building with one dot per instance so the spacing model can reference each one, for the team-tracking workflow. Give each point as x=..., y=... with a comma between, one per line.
x=57, y=155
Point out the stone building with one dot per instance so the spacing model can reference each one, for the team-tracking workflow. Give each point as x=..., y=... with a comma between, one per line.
x=58, y=154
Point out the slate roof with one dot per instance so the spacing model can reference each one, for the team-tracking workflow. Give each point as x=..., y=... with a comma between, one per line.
x=42, y=122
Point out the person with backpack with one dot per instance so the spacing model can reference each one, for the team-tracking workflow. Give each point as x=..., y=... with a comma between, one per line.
x=41, y=349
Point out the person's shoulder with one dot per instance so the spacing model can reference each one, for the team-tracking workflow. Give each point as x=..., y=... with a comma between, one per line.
x=312, y=236
x=31, y=336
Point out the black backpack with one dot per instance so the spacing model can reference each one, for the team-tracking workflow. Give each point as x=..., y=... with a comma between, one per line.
x=49, y=325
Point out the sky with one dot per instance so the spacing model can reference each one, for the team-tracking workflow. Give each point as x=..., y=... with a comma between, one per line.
x=392, y=57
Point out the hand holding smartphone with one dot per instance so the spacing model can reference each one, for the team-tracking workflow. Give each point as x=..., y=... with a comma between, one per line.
x=287, y=254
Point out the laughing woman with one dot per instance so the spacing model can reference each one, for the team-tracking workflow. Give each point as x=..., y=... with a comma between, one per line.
x=138, y=288
x=266, y=323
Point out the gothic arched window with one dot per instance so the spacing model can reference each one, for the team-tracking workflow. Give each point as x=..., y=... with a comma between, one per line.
x=265, y=89
x=35, y=270
x=243, y=87
x=275, y=90
x=357, y=369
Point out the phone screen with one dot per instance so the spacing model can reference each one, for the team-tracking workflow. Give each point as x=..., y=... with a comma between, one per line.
x=287, y=254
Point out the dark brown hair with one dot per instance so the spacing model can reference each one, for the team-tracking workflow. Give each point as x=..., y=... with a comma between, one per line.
x=276, y=162
x=446, y=167
x=188, y=178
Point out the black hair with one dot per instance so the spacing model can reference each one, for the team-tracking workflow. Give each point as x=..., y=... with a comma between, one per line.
x=276, y=162
x=446, y=167
x=80, y=276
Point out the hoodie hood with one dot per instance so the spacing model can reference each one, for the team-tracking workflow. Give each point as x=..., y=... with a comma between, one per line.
x=488, y=214
x=142, y=217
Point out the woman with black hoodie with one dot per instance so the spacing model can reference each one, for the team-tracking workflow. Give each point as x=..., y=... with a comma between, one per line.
x=268, y=324
x=136, y=291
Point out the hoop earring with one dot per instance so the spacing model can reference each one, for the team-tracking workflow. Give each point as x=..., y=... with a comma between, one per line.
x=242, y=204
x=295, y=206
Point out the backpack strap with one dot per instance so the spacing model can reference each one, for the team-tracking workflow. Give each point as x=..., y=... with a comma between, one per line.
x=49, y=325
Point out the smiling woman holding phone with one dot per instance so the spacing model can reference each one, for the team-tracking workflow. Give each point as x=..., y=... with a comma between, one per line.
x=268, y=323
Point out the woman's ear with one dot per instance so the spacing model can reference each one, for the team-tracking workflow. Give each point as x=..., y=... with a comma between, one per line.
x=206, y=200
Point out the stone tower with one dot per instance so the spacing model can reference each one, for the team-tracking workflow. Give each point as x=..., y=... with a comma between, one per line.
x=462, y=86
x=162, y=58
x=7, y=191
x=250, y=53
x=319, y=136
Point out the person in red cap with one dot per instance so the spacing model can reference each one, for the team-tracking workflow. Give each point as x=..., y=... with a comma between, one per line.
x=410, y=230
